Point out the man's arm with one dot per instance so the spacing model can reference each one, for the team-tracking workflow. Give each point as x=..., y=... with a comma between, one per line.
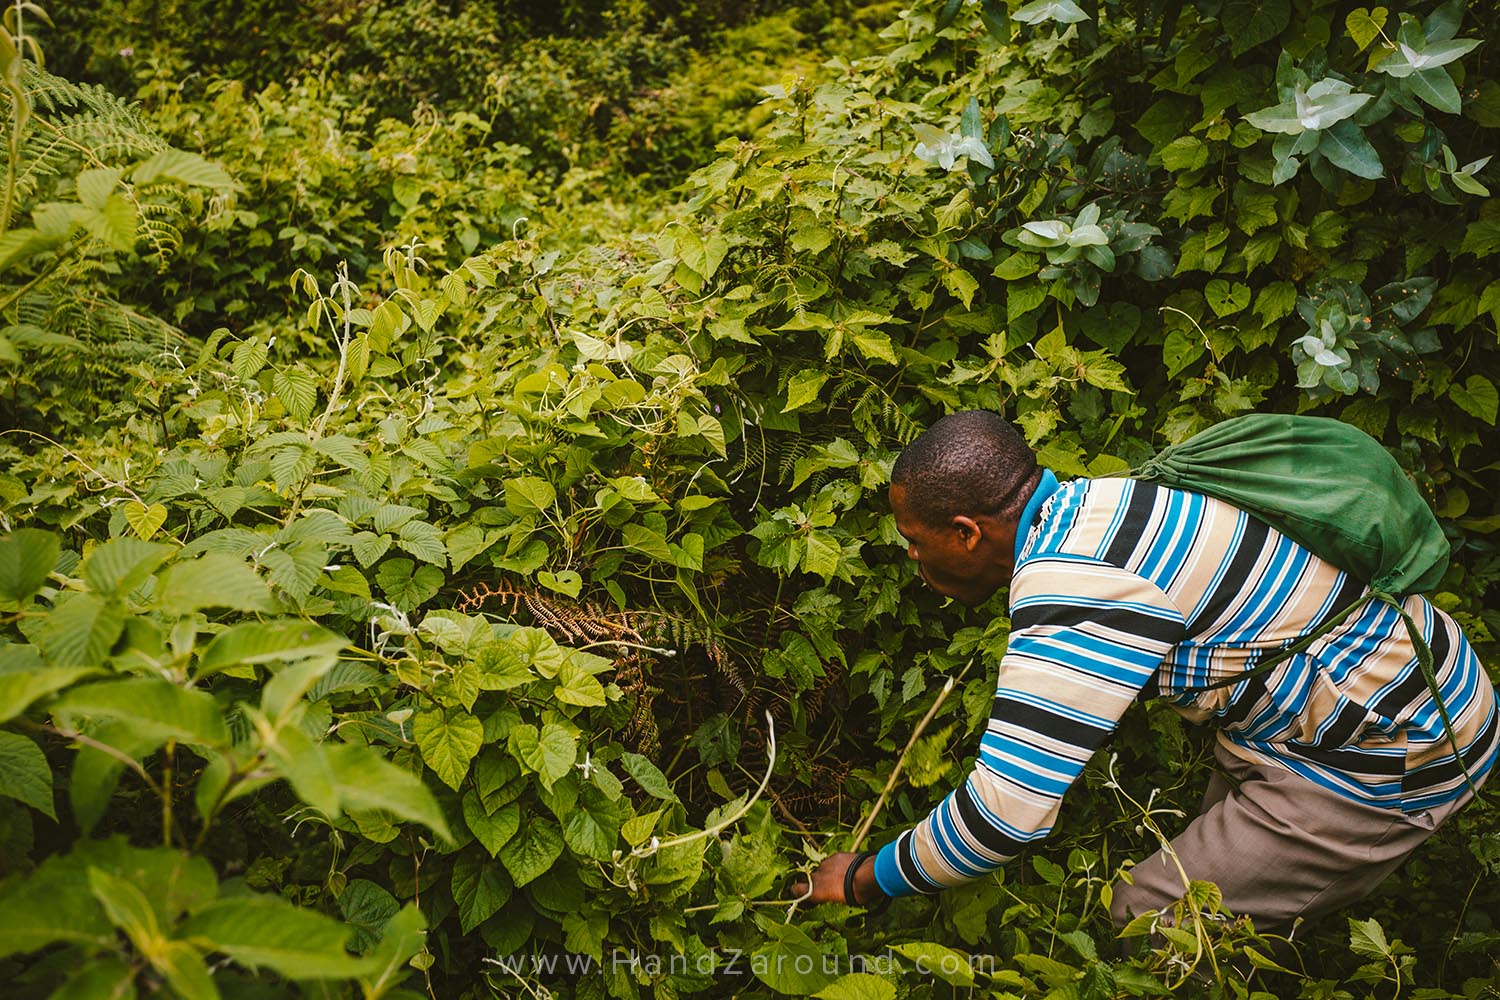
x=1086, y=636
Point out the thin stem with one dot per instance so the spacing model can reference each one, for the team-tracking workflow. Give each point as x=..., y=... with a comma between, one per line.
x=890, y=783
x=104, y=748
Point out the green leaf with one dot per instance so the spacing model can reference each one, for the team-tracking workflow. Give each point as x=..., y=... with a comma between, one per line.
x=858, y=986
x=1225, y=297
x=448, y=740
x=528, y=495
x=367, y=908
x=593, y=826
x=27, y=556
x=184, y=168
x=423, y=541
x=95, y=774
x=790, y=961
x=549, y=753
x=80, y=631
x=24, y=773
x=127, y=908
x=1477, y=397
x=217, y=580
x=53, y=904
x=263, y=931
x=19, y=688
x=648, y=776
x=532, y=852
x=1184, y=153
x=493, y=831
x=365, y=780
x=949, y=12
x=121, y=565
x=1364, y=26
x=643, y=539
x=280, y=641
x=143, y=520
x=155, y=708
x=479, y=888
x=297, y=388
x=1346, y=147
x=1367, y=939
x=577, y=687
x=1248, y=23
x=1061, y=11
x=402, y=937
x=938, y=960
x=1436, y=87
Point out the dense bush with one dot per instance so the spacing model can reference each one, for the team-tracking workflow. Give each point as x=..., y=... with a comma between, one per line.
x=539, y=591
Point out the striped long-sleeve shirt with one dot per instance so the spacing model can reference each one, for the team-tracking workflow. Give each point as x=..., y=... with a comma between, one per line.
x=1118, y=583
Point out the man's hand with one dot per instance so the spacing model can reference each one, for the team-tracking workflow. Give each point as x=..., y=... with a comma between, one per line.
x=828, y=881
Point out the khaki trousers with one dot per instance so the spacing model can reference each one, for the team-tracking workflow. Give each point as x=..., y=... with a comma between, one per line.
x=1279, y=847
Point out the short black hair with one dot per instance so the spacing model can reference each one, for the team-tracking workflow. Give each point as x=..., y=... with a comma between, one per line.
x=967, y=463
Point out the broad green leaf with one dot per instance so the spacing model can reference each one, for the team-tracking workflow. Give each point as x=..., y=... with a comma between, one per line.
x=480, y=888
x=143, y=520
x=283, y=641
x=154, y=706
x=264, y=931
x=791, y=962
x=423, y=541
x=402, y=937
x=948, y=13
x=529, y=495
x=100, y=979
x=19, y=688
x=80, y=631
x=127, y=908
x=858, y=986
x=567, y=582
x=1248, y=23
x=643, y=539
x=1367, y=938
x=184, y=168
x=803, y=389
x=1061, y=11
x=367, y=908
x=1364, y=25
x=1346, y=147
x=95, y=773
x=1435, y=87
x=493, y=831
x=297, y=388
x=27, y=556
x=938, y=960
x=216, y=580
x=122, y=564
x=1225, y=297
x=449, y=739
x=24, y=773
x=549, y=752
x=648, y=776
x=182, y=966
x=52, y=904
x=532, y=852
x=366, y=780
x=1478, y=397
x=593, y=826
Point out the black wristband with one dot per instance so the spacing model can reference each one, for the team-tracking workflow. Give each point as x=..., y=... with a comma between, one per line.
x=849, y=898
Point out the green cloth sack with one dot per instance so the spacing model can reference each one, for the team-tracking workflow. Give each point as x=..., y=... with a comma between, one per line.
x=1322, y=483
x=1338, y=493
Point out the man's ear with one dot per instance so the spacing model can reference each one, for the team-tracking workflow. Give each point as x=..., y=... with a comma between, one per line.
x=970, y=534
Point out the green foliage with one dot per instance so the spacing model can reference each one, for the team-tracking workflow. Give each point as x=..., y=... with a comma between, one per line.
x=595, y=497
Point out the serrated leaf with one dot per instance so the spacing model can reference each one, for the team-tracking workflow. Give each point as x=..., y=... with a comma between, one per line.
x=528, y=495
x=122, y=564
x=803, y=388
x=81, y=631
x=152, y=706
x=448, y=739
x=183, y=167
x=214, y=581
x=27, y=556
x=297, y=388
x=1367, y=939
x=24, y=773
x=858, y=986
x=364, y=780
x=263, y=931
x=268, y=642
x=20, y=688
x=423, y=541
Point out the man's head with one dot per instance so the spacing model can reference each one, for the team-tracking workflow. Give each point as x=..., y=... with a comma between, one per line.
x=958, y=491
